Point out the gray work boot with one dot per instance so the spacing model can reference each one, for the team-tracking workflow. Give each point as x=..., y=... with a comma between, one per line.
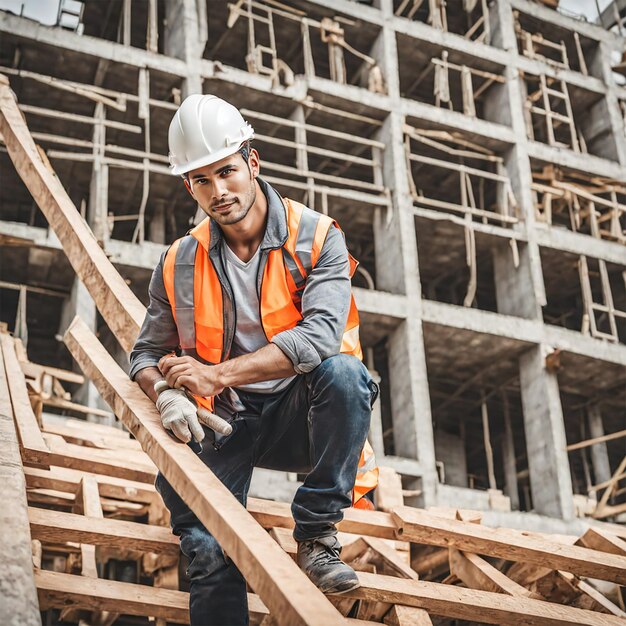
x=319, y=559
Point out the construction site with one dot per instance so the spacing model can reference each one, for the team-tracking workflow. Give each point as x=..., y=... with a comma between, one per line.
x=474, y=154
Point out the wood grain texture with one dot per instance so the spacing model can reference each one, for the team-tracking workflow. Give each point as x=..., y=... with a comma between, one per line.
x=58, y=526
x=28, y=430
x=19, y=599
x=289, y=594
x=120, y=308
x=419, y=526
x=475, y=606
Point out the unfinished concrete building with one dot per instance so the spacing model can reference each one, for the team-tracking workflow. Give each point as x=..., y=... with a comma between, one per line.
x=473, y=153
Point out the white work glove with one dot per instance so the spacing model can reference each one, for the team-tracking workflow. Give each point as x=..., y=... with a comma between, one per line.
x=180, y=414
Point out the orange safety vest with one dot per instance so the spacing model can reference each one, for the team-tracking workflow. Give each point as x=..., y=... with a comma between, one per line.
x=194, y=291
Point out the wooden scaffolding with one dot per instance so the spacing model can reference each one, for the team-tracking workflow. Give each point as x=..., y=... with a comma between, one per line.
x=72, y=486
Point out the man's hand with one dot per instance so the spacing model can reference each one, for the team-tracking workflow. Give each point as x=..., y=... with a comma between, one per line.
x=187, y=372
x=179, y=415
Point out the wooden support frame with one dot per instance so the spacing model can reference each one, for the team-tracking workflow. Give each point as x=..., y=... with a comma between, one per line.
x=32, y=444
x=468, y=604
x=290, y=596
x=120, y=308
x=419, y=526
x=540, y=111
x=479, y=30
x=467, y=74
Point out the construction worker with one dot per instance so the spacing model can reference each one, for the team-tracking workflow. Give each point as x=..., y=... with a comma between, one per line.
x=251, y=318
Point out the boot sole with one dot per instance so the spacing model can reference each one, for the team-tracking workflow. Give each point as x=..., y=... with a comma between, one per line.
x=340, y=590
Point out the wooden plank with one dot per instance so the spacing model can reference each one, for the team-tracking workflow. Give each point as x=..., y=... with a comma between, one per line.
x=87, y=502
x=599, y=599
x=418, y=526
x=598, y=539
x=391, y=558
x=407, y=616
x=81, y=432
x=290, y=596
x=267, y=513
x=388, y=494
x=67, y=479
x=59, y=590
x=278, y=515
x=34, y=370
x=58, y=526
x=19, y=606
x=120, y=308
x=477, y=573
x=108, y=462
x=26, y=423
x=474, y=606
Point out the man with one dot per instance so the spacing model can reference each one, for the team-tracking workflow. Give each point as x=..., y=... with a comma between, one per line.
x=256, y=300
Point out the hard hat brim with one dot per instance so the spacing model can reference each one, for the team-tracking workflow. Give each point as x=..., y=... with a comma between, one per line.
x=185, y=168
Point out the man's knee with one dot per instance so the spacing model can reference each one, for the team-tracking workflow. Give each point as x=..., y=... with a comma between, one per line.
x=205, y=555
x=343, y=373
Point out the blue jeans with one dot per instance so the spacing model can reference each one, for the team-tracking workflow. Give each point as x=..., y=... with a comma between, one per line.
x=316, y=426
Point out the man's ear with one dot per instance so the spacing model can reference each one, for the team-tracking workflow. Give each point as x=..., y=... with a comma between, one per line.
x=254, y=163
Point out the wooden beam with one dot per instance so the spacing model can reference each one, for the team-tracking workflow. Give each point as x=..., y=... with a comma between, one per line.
x=474, y=606
x=359, y=522
x=477, y=573
x=290, y=596
x=67, y=479
x=58, y=590
x=110, y=462
x=25, y=421
x=267, y=513
x=418, y=526
x=407, y=616
x=57, y=526
x=120, y=308
x=16, y=569
x=34, y=370
x=598, y=539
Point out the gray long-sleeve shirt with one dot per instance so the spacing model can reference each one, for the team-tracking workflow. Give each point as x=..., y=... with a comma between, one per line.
x=325, y=299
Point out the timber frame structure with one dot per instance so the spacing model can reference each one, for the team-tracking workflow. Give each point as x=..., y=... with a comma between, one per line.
x=475, y=156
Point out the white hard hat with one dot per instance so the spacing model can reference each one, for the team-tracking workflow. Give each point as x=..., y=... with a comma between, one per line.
x=204, y=130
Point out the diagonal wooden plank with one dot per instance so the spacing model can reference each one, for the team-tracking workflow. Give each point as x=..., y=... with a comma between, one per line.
x=407, y=616
x=418, y=526
x=28, y=431
x=475, y=606
x=67, y=479
x=288, y=593
x=121, y=309
x=598, y=539
x=19, y=600
x=477, y=573
x=57, y=590
x=58, y=526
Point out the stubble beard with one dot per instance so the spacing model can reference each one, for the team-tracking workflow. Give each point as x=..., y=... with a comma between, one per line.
x=239, y=210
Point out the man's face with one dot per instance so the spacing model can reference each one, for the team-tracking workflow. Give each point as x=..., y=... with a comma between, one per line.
x=226, y=190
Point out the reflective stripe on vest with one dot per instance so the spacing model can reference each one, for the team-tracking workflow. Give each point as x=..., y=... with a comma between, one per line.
x=195, y=295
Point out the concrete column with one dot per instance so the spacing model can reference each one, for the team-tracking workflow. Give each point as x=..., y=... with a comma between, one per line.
x=599, y=453
x=520, y=291
x=397, y=271
x=550, y=478
x=97, y=207
x=606, y=115
x=185, y=37
x=508, y=457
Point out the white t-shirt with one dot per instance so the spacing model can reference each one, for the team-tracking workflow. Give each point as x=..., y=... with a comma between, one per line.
x=249, y=335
